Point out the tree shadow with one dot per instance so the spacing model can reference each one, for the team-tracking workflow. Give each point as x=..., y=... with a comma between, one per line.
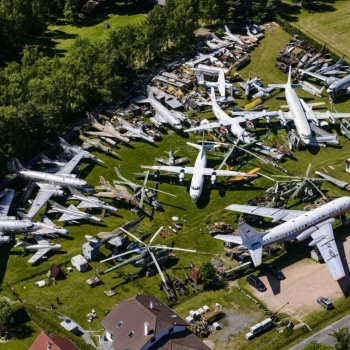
x=22, y=331
x=320, y=6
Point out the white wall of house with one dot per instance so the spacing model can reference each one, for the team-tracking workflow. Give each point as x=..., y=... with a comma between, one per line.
x=165, y=332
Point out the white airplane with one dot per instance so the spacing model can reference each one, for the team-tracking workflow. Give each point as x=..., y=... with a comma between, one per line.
x=237, y=38
x=335, y=86
x=198, y=171
x=302, y=114
x=76, y=150
x=334, y=68
x=234, y=123
x=134, y=132
x=50, y=184
x=71, y=213
x=42, y=247
x=90, y=201
x=163, y=114
x=298, y=225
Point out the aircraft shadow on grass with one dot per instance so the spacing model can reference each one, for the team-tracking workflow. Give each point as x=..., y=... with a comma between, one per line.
x=5, y=252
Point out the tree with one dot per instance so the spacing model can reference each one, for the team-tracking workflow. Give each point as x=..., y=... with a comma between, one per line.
x=5, y=312
x=157, y=31
x=314, y=345
x=71, y=11
x=342, y=339
x=207, y=274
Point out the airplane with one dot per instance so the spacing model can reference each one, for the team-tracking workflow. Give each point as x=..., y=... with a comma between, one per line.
x=71, y=213
x=47, y=161
x=162, y=113
x=234, y=123
x=134, y=132
x=42, y=247
x=107, y=130
x=50, y=184
x=302, y=114
x=144, y=193
x=261, y=91
x=96, y=143
x=335, y=86
x=334, y=68
x=253, y=37
x=298, y=225
x=171, y=159
x=248, y=85
x=237, y=38
x=90, y=201
x=198, y=171
x=77, y=149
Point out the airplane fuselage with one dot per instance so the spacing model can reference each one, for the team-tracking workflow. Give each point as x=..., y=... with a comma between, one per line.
x=93, y=201
x=298, y=114
x=198, y=177
x=338, y=87
x=54, y=179
x=36, y=247
x=79, y=213
x=15, y=226
x=165, y=114
x=306, y=223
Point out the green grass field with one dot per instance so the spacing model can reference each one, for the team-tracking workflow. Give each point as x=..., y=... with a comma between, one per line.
x=328, y=23
x=78, y=298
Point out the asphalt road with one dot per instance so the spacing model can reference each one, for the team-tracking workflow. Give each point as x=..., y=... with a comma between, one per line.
x=323, y=335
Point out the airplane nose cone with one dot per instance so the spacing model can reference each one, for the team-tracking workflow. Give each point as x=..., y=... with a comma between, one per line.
x=194, y=198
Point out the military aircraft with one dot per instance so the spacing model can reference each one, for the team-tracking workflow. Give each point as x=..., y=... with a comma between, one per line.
x=198, y=171
x=47, y=161
x=142, y=193
x=76, y=150
x=237, y=38
x=171, y=160
x=96, y=143
x=163, y=114
x=89, y=201
x=298, y=225
x=302, y=114
x=42, y=247
x=134, y=132
x=334, y=68
x=117, y=192
x=107, y=130
x=72, y=213
x=50, y=184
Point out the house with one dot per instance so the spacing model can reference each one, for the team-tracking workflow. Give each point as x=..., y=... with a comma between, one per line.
x=144, y=322
x=46, y=341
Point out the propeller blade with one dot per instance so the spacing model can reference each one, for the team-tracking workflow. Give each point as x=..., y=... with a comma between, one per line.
x=153, y=189
x=117, y=256
x=142, y=196
x=133, y=236
x=158, y=268
x=146, y=178
x=155, y=235
x=308, y=170
x=268, y=177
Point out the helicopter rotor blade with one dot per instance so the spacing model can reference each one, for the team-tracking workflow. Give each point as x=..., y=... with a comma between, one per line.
x=133, y=236
x=158, y=267
x=155, y=235
x=119, y=255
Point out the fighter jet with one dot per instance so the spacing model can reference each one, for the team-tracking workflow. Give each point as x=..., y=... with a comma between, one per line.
x=77, y=149
x=96, y=143
x=50, y=184
x=42, y=247
x=72, y=213
x=90, y=201
x=171, y=159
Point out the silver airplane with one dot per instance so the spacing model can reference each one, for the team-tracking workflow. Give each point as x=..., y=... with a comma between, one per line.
x=50, y=184
x=298, y=225
x=171, y=159
x=72, y=213
x=77, y=149
x=42, y=247
x=134, y=132
x=90, y=201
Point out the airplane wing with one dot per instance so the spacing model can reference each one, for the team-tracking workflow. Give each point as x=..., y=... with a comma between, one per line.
x=98, y=133
x=324, y=239
x=230, y=238
x=41, y=198
x=210, y=171
x=107, y=194
x=209, y=126
x=7, y=197
x=39, y=254
x=85, y=204
x=275, y=213
x=330, y=115
x=255, y=115
x=68, y=168
x=315, y=75
x=171, y=169
x=71, y=216
x=40, y=240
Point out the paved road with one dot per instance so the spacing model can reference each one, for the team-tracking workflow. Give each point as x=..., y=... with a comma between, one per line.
x=323, y=335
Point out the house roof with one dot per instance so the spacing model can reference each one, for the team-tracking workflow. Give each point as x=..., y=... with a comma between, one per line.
x=127, y=321
x=57, y=342
x=185, y=340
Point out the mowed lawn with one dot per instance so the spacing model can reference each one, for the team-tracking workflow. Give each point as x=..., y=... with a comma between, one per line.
x=331, y=27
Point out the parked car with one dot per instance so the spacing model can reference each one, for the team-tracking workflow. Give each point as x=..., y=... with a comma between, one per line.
x=326, y=303
x=276, y=272
x=256, y=282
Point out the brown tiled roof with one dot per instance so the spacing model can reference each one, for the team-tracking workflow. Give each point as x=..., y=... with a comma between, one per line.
x=185, y=340
x=126, y=321
x=57, y=342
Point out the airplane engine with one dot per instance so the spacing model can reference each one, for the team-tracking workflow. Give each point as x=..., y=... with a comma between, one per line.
x=60, y=193
x=181, y=176
x=4, y=240
x=306, y=234
x=324, y=124
x=213, y=177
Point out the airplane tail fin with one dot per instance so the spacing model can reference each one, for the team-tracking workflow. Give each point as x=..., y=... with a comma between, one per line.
x=222, y=83
x=252, y=240
x=15, y=165
x=19, y=242
x=149, y=91
x=63, y=142
x=227, y=30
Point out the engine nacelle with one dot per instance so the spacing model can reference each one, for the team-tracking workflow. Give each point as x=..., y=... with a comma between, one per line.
x=181, y=175
x=324, y=124
x=306, y=234
x=213, y=177
x=59, y=193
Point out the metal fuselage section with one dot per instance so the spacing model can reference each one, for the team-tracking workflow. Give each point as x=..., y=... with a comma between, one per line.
x=198, y=177
x=54, y=179
x=165, y=114
x=236, y=129
x=93, y=201
x=36, y=247
x=337, y=87
x=291, y=229
x=298, y=114
x=15, y=226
